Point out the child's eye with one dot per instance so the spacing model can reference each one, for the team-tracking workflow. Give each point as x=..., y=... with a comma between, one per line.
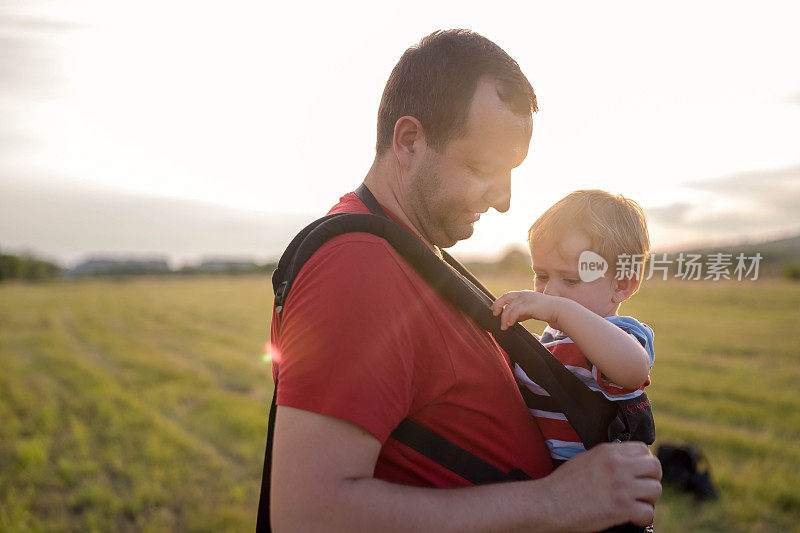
x=540, y=277
x=572, y=281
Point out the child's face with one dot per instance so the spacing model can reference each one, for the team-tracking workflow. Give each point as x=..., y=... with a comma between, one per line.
x=555, y=266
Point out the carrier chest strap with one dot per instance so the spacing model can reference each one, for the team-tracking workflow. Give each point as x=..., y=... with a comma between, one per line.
x=451, y=456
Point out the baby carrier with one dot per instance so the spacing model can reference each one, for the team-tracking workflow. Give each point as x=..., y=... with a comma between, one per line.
x=594, y=418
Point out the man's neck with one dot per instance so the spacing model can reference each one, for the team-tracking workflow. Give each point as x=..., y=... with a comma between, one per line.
x=383, y=182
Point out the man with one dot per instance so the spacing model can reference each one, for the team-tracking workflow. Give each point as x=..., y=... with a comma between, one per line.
x=363, y=342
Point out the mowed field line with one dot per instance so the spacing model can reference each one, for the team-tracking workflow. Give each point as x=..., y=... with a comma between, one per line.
x=217, y=375
x=70, y=386
x=94, y=360
x=167, y=348
x=89, y=361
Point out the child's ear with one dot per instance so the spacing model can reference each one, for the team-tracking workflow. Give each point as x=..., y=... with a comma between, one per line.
x=624, y=287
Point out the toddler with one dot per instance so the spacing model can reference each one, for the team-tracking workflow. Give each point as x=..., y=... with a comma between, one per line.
x=607, y=352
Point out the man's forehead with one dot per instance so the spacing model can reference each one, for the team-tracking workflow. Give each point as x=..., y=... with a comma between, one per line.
x=486, y=102
x=493, y=130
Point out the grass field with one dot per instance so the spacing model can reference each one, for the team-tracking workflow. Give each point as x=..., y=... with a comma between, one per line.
x=141, y=405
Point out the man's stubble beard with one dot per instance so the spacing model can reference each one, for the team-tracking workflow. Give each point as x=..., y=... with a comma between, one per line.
x=429, y=202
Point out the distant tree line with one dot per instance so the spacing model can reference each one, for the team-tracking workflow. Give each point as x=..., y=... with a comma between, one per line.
x=791, y=272
x=123, y=268
x=27, y=267
x=229, y=269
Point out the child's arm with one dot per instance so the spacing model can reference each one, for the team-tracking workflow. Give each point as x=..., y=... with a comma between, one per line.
x=614, y=352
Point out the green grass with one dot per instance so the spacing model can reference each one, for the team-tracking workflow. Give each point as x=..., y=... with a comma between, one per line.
x=141, y=405
x=132, y=406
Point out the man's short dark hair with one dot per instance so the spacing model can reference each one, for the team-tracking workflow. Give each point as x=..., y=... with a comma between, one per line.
x=435, y=80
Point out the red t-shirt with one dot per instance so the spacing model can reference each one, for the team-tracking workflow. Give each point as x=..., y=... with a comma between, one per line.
x=362, y=337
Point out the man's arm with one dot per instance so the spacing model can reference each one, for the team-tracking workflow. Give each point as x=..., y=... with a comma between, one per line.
x=322, y=471
x=613, y=351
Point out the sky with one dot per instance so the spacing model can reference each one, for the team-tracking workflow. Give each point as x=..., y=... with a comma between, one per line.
x=200, y=129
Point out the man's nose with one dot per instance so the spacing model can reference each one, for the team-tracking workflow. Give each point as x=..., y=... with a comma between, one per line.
x=500, y=194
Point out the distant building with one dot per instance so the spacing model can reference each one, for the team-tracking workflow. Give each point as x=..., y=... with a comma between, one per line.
x=228, y=265
x=119, y=267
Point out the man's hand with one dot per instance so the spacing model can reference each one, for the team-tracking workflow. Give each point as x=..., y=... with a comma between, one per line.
x=518, y=306
x=608, y=485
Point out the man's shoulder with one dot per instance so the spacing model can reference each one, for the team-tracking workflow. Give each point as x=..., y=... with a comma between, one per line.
x=355, y=261
x=349, y=203
x=353, y=252
x=356, y=247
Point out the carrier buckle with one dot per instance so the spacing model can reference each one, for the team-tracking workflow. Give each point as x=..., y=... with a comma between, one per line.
x=280, y=296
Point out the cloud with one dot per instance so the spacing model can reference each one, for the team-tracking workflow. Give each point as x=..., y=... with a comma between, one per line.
x=29, y=62
x=30, y=75
x=774, y=193
x=747, y=204
x=671, y=214
x=71, y=221
x=11, y=22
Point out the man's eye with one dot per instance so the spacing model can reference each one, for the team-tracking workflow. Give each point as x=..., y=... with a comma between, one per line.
x=571, y=281
x=540, y=277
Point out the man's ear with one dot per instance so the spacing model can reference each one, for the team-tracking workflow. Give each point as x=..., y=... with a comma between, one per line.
x=624, y=287
x=409, y=138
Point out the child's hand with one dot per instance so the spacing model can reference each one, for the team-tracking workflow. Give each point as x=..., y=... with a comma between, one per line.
x=518, y=306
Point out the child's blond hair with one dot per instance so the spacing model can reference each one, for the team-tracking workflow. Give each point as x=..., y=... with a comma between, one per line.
x=614, y=225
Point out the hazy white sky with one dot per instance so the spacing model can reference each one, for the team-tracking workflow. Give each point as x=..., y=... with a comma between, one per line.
x=120, y=114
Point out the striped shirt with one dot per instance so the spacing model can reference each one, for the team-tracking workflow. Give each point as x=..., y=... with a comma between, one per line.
x=562, y=440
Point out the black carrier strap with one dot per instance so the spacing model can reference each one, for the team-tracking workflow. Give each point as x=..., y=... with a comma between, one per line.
x=453, y=457
x=366, y=196
x=594, y=418
x=262, y=521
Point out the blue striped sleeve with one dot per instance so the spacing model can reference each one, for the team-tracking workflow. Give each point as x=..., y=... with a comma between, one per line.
x=639, y=331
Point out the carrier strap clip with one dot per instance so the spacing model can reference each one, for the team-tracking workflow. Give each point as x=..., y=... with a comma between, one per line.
x=280, y=295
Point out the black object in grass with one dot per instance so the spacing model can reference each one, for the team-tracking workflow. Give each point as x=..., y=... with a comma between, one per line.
x=686, y=468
